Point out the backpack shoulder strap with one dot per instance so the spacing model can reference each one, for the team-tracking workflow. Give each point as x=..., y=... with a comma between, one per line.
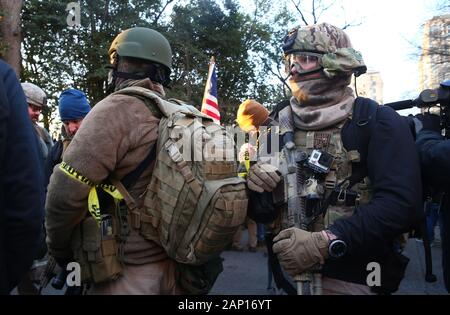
x=165, y=107
x=357, y=132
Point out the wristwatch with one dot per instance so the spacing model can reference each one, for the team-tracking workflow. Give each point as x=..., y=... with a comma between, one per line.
x=336, y=248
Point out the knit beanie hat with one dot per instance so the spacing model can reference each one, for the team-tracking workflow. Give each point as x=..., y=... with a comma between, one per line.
x=251, y=114
x=73, y=105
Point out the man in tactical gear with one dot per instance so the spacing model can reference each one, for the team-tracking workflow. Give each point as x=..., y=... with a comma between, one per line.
x=434, y=152
x=365, y=197
x=112, y=142
x=37, y=100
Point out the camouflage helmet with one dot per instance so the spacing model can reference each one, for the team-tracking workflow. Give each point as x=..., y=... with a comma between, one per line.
x=142, y=43
x=34, y=94
x=331, y=43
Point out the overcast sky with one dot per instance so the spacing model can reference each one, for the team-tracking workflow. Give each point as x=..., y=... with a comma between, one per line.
x=388, y=27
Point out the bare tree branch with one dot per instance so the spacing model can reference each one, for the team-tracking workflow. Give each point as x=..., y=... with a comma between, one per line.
x=351, y=24
x=278, y=75
x=324, y=9
x=314, y=11
x=297, y=7
x=155, y=21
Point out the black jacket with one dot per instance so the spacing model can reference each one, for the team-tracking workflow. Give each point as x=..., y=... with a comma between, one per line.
x=53, y=158
x=21, y=181
x=394, y=172
x=434, y=151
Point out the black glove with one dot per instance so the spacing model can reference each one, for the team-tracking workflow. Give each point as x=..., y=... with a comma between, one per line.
x=430, y=122
x=261, y=207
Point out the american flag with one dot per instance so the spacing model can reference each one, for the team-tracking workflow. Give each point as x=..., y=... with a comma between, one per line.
x=210, y=105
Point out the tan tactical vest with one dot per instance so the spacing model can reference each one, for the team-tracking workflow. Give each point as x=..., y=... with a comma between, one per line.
x=329, y=140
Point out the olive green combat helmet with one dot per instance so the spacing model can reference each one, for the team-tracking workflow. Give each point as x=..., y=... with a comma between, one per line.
x=150, y=51
x=332, y=44
x=142, y=43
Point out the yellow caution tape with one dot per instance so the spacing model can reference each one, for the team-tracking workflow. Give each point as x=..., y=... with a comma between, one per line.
x=247, y=160
x=241, y=172
x=93, y=202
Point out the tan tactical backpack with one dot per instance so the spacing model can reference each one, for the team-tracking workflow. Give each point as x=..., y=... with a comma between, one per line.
x=195, y=199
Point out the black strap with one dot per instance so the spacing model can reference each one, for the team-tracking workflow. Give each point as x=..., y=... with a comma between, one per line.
x=275, y=268
x=356, y=135
x=429, y=276
x=130, y=179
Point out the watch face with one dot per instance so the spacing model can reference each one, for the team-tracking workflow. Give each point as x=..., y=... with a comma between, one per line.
x=337, y=248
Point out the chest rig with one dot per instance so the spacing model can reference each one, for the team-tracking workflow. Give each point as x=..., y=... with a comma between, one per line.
x=317, y=173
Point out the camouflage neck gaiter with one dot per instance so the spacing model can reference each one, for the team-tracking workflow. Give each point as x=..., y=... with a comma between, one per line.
x=321, y=103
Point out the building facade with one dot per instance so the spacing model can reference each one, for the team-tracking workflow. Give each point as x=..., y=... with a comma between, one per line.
x=369, y=85
x=434, y=63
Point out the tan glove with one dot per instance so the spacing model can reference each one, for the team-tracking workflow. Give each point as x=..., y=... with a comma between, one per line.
x=262, y=177
x=299, y=250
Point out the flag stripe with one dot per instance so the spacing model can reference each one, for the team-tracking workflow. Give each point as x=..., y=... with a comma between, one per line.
x=211, y=114
x=211, y=109
x=211, y=99
x=210, y=105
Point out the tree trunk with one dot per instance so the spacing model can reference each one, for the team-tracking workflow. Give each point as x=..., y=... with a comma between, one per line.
x=11, y=32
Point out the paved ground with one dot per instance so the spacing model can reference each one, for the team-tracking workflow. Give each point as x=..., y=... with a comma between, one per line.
x=245, y=273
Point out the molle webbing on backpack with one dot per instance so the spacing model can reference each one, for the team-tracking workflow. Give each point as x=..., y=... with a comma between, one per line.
x=196, y=205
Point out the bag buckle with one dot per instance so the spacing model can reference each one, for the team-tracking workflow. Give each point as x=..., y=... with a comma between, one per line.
x=136, y=219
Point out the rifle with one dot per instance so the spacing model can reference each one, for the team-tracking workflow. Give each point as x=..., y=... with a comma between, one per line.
x=298, y=213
